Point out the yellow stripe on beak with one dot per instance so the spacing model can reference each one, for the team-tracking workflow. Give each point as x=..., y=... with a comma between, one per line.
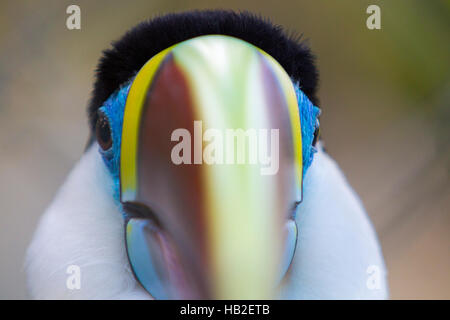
x=131, y=123
x=294, y=112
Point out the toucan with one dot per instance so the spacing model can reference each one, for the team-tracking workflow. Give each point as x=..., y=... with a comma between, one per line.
x=163, y=204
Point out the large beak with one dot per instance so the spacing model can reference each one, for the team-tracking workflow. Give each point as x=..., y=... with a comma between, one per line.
x=211, y=169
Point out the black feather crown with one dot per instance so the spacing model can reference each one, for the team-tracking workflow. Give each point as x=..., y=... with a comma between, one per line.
x=127, y=55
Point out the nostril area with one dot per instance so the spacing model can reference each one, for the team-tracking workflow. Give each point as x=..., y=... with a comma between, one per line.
x=140, y=210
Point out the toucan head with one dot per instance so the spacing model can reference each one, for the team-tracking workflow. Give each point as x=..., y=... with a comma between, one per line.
x=207, y=128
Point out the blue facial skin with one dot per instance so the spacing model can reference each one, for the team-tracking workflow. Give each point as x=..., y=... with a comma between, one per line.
x=114, y=107
x=309, y=120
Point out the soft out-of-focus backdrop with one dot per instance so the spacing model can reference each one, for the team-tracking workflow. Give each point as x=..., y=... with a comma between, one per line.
x=385, y=96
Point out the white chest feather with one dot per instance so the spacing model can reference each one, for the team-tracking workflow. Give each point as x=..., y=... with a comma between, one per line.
x=82, y=227
x=338, y=255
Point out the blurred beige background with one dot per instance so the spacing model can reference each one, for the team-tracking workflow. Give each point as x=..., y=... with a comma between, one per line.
x=385, y=96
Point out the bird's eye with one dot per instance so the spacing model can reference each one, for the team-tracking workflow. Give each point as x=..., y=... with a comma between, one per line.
x=103, y=132
x=316, y=135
